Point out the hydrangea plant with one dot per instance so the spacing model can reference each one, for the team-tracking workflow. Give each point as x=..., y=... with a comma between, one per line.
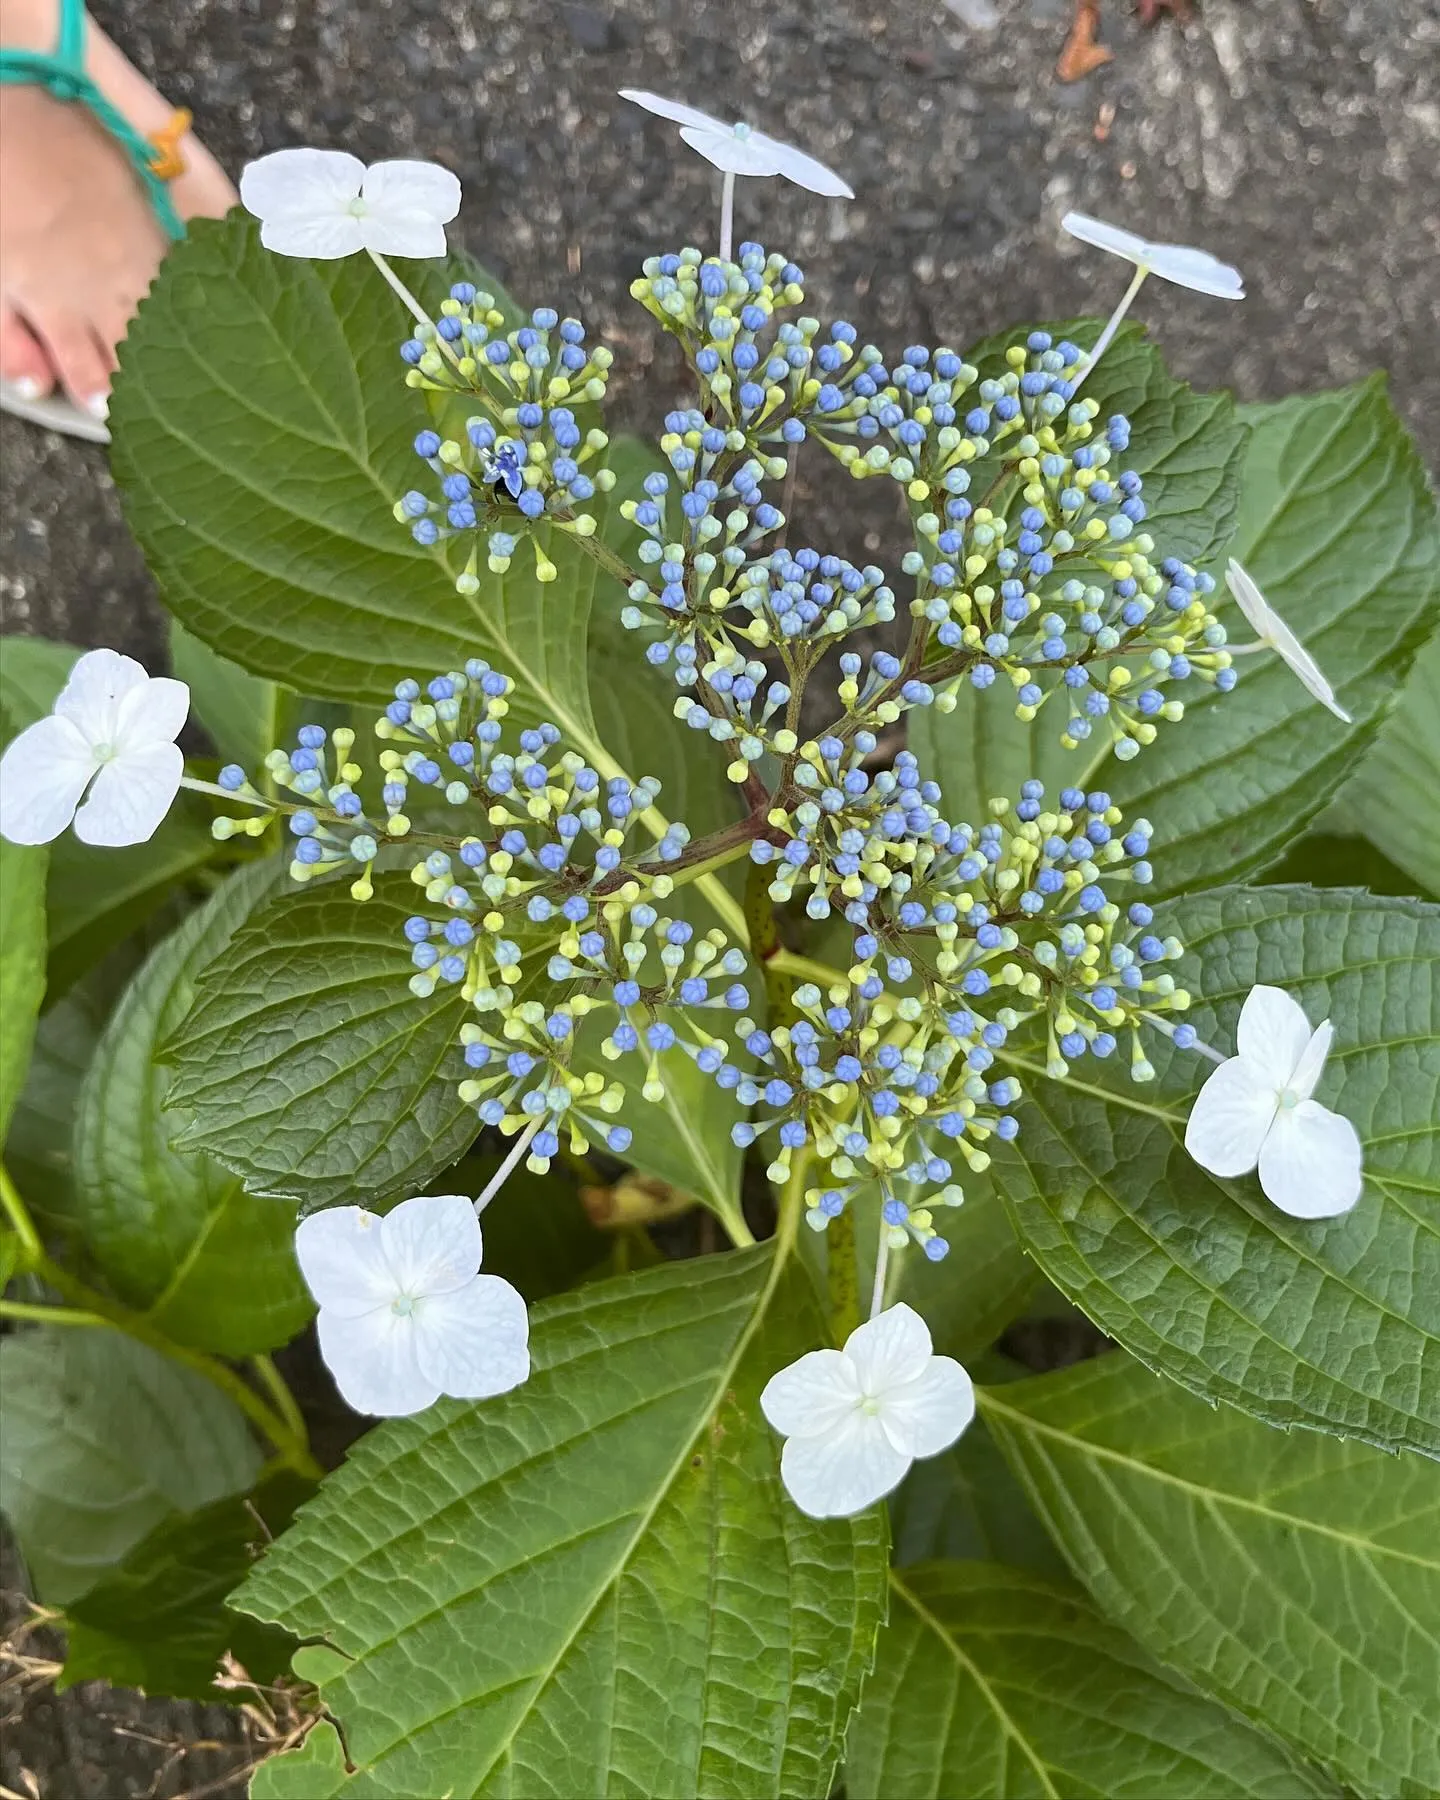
x=565, y=825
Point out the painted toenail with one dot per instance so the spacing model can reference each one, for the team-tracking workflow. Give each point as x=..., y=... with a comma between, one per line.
x=98, y=406
x=28, y=388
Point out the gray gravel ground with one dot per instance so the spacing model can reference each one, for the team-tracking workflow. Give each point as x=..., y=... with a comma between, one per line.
x=1299, y=138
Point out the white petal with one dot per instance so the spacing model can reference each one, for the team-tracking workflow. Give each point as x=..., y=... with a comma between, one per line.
x=924, y=1417
x=1273, y=1033
x=432, y=1243
x=1303, y=664
x=1180, y=263
x=131, y=795
x=735, y=155
x=325, y=236
x=423, y=189
x=1195, y=269
x=153, y=714
x=1310, y=1165
x=889, y=1350
x=341, y=1253
x=1249, y=598
x=300, y=184
x=394, y=232
x=1307, y=1071
x=1230, y=1117
x=98, y=683
x=812, y=1395
x=675, y=110
x=474, y=1341
x=43, y=774
x=1104, y=237
x=836, y=1476
x=804, y=170
x=373, y=1361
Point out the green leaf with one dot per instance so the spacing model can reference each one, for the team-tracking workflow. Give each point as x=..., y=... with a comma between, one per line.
x=1335, y=1323
x=594, y=1584
x=32, y=672
x=1338, y=527
x=965, y=1506
x=1319, y=860
x=173, y=1232
x=308, y=1068
x=22, y=965
x=262, y=432
x=239, y=710
x=993, y=1682
x=98, y=897
x=158, y=1622
x=38, y=1151
x=1391, y=798
x=683, y=1139
x=103, y=1438
x=1295, y=1577
x=316, y=1771
x=95, y=897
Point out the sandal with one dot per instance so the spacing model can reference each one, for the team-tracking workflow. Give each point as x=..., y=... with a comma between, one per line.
x=154, y=161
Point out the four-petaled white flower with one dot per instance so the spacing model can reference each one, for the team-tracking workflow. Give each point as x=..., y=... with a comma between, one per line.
x=1276, y=635
x=326, y=203
x=113, y=731
x=1180, y=263
x=855, y=1419
x=1256, y=1110
x=405, y=1316
x=740, y=149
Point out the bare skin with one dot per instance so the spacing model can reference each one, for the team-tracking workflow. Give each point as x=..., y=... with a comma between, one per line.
x=79, y=243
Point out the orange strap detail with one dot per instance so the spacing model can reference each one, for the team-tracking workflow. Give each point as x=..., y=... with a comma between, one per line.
x=167, y=161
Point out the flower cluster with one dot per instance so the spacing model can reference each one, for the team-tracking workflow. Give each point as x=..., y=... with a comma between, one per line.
x=560, y=929
x=961, y=936
x=543, y=910
x=524, y=458
x=1032, y=565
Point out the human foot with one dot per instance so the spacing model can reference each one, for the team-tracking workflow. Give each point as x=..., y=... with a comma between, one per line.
x=79, y=242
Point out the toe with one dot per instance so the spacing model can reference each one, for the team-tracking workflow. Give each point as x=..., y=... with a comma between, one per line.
x=22, y=360
x=82, y=365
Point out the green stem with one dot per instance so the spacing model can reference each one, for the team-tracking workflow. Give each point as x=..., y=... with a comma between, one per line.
x=281, y=1424
x=596, y=547
x=47, y=1315
x=716, y=850
x=841, y=1276
x=19, y=1217
x=733, y=1220
x=805, y=968
x=792, y=1203
x=1112, y=325
x=274, y=1384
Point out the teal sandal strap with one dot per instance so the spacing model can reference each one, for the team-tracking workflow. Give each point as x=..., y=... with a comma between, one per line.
x=63, y=75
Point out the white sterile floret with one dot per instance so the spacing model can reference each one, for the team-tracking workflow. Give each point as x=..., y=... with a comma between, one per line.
x=112, y=732
x=740, y=149
x=855, y=1419
x=326, y=203
x=1181, y=263
x=1277, y=636
x=405, y=1316
x=1256, y=1110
